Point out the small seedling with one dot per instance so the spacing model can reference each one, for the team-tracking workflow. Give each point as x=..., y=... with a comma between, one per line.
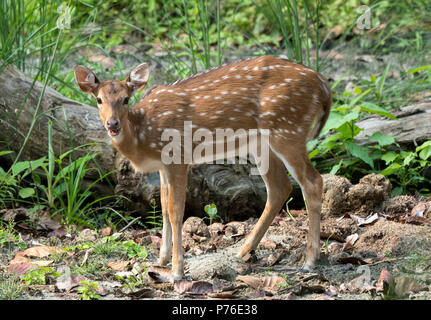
x=211, y=211
x=288, y=211
x=155, y=219
x=88, y=290
x=326, y=243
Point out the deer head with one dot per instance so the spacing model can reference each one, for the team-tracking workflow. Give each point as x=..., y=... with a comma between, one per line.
x=112, y=96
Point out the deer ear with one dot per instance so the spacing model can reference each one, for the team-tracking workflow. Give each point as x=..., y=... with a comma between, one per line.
x=86, y=79
x=138, y=77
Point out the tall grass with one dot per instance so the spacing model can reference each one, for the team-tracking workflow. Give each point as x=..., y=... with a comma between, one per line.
x=297, y=40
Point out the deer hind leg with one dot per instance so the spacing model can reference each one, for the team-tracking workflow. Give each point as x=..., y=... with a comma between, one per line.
x=166, y=247
x=278, y=188
x=299, y=165
x=176, y=184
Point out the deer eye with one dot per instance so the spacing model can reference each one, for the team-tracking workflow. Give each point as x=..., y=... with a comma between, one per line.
x=99, y=101
x=126, y=100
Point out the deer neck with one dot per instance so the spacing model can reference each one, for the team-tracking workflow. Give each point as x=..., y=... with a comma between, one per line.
x=126, y=142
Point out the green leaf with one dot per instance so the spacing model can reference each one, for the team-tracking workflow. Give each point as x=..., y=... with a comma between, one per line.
x=335, y=168
x=419, y=69
x=313, y=153
x=24, y=165
x=26, y=192
x=336, y=120
x=349, y=130
x=359, y=152
x=389, y=157
x=425, y=153
x=211, y=210
x=389, y=170
x=357, y=90
x=381, y=139
x=409, y=158
x=375, y=109
x=2, y=153
x=425, y=150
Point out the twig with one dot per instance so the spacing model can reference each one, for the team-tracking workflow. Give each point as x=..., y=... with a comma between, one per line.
x=130, y=223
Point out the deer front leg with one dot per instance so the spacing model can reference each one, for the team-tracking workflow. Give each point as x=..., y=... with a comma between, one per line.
x=177, y=184
x=166, y=248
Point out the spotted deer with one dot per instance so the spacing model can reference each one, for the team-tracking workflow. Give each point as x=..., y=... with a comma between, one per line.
x=288, y=101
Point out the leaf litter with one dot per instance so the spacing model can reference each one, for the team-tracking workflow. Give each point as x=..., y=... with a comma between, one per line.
x=381, y=242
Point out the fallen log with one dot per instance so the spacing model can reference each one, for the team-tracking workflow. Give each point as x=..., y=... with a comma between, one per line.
x=411, y=127
x=18, y=103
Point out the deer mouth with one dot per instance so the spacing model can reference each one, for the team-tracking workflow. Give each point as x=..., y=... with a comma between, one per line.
x=113, y=132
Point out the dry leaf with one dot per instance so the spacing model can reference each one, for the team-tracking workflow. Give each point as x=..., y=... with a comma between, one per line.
x=271, y=283
x=118, y=265
x=350, y=241
x=407, y=285
x=252, y=281
x=193, y=287
x=105, y=231
x=223, y=295
x=386, y=282
x=216, y=228
x=59, y=233
x=156, y=240
x=361, y=221
x=20, y=259
x=416, y=220
x=20, y=268
x=41, y=251
x=419, y=210
x=274, y=258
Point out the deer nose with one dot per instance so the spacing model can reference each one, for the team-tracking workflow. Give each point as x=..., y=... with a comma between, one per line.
x=113, y=124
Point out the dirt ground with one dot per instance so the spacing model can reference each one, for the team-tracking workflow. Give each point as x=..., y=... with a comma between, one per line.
x=381, y=250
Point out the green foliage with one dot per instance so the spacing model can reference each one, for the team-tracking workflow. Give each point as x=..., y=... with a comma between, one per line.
x=134, y=250
x=10, y=286
x=8, y=235
x=155, y=220
x=88, y=290
x=405, y=169
x=57, y=185
x=342, y=122
x=39, y=276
